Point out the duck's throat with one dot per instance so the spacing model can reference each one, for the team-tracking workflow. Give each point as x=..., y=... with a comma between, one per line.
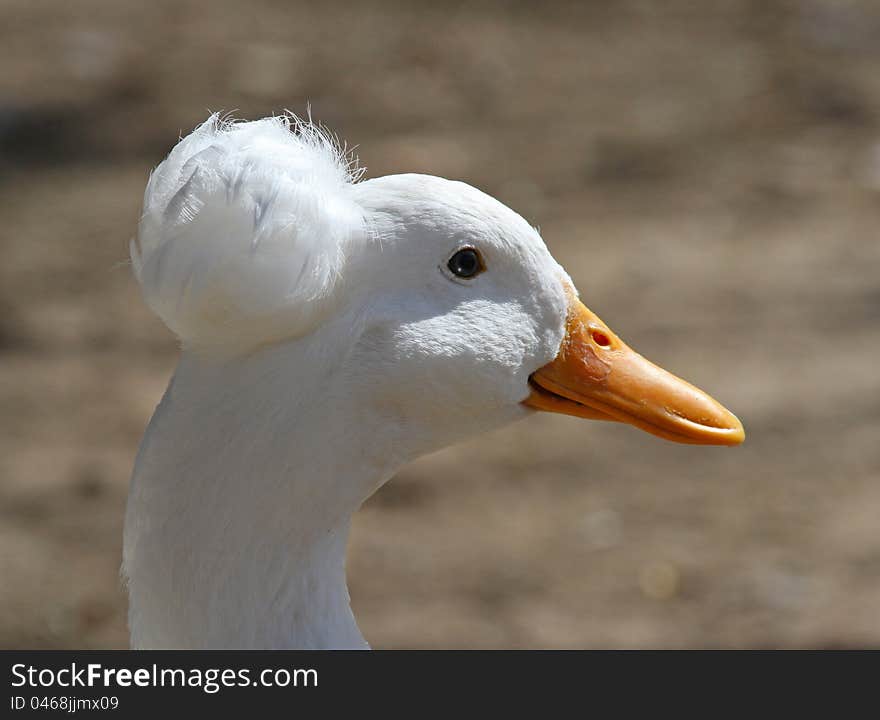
x=238, y=519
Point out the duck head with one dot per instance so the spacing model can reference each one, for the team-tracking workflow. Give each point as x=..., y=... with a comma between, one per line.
x=446, y=309
x=468, y=322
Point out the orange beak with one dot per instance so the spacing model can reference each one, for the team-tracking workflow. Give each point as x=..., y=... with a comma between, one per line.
x=597, y=376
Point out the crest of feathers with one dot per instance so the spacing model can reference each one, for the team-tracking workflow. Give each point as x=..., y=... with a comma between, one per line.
x=244, y=230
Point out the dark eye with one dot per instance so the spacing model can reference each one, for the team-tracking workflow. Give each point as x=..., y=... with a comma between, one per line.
x=466, y=263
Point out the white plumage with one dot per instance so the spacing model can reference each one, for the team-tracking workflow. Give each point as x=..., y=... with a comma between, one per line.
x=330, y=334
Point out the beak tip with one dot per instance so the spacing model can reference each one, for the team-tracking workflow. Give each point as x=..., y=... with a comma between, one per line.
x=738, y=436
x=735, y=433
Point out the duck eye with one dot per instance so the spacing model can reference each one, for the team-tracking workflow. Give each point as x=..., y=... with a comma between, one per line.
x=466, y=263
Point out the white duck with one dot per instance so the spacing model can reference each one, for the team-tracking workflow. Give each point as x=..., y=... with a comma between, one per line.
x=332, y=331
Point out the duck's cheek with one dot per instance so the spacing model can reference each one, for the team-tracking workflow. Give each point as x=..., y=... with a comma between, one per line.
x=467, y=368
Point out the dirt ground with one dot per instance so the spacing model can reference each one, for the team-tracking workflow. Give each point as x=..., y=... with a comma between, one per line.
x=708, y=173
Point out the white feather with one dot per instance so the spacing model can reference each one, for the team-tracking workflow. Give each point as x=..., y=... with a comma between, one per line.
x=244, y=231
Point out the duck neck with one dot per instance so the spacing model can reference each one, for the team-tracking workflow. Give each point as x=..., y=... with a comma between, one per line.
x=240, y=506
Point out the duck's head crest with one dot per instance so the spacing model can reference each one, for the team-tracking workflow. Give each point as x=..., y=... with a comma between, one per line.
x=244, y=231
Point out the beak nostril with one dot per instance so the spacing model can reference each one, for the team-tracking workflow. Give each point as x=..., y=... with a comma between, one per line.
x=600, y=338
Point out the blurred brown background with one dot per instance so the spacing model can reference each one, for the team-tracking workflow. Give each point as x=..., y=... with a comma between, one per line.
x=709, y=174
